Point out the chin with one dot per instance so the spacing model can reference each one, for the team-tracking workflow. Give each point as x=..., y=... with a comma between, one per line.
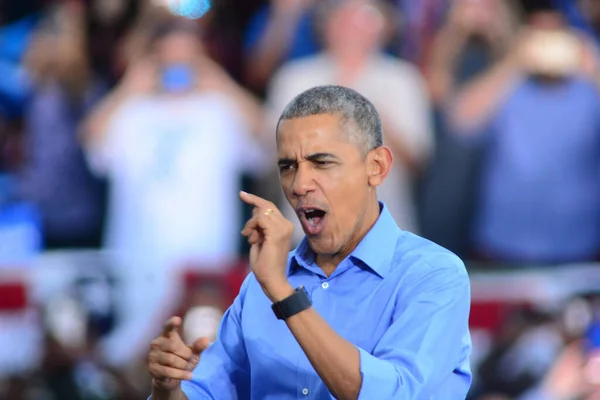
x=321, y=245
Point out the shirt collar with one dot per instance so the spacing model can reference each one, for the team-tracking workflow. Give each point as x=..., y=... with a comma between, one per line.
x=376, y=250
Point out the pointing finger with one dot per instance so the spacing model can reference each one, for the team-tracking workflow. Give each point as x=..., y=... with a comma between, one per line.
x=256, y=201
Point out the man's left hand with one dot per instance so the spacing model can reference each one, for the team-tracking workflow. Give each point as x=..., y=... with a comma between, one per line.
x=269, y=234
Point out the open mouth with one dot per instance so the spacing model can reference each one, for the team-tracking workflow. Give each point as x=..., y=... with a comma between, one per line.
x=312, y=220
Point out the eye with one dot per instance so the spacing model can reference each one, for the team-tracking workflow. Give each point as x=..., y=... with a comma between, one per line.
x=323, y=163
x=285, y=168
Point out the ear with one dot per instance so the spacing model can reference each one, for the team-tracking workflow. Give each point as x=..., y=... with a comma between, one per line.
x=379, y=163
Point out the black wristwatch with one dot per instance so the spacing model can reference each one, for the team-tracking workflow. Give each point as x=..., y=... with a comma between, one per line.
x=292, y=305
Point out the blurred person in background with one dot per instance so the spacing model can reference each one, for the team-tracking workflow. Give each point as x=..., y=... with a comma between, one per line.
x=524, y=349
x=172, y=138
x=280, y=31
x=286, y=30
x=20, y=228
x=108, y=23
x=536, y=113
x=221, y=29
x=18, y=21
x=554, y=357
x=354, y=33
x=476, y=34
x=69, y=365
x=54, y=175
x=420, y=22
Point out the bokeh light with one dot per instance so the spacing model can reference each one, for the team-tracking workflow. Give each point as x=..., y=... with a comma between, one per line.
x=192, y=9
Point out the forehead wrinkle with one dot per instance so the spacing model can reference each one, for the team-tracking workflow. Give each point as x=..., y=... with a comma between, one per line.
x=347, y=129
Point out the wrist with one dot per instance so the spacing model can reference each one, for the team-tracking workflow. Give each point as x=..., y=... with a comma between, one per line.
x=159, y=392
x=279, y=292
x=292, y=304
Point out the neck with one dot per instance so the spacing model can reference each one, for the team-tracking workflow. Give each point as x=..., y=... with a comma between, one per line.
x=348, y=68
x=329, y=262
x=349, y=59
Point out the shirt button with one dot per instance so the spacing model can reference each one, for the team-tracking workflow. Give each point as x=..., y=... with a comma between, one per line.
x=305, y=391
x=325, y=285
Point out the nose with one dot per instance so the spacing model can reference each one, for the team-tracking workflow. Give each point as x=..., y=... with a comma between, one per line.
x=303, y=182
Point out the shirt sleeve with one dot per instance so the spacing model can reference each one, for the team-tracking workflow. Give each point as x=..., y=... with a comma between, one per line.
x=223, y=370
x=425, y=344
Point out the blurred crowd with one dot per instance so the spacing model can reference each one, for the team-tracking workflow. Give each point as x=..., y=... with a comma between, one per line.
x=128, y=127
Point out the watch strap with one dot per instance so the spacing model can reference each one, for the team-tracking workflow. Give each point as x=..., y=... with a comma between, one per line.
x=293, y=304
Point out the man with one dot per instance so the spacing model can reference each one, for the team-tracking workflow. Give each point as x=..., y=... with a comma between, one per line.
x=353, y=33
x=535, y=114
x=369, y=311
x=154, y=138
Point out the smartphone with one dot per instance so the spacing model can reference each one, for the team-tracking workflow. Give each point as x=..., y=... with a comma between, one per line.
x=177, y=78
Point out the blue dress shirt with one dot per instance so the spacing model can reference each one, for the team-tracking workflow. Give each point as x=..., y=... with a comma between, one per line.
x=401, y=300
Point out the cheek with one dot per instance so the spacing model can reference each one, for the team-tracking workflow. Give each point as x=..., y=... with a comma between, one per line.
x=339, y=181
x=286, y=186
x=345, y=192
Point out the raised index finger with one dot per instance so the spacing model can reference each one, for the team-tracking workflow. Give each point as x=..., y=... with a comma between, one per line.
x=255, y=201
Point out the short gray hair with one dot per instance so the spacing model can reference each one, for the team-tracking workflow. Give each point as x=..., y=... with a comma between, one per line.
x=356, y=112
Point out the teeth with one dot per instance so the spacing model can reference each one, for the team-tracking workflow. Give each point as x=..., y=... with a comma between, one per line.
x=311, y=221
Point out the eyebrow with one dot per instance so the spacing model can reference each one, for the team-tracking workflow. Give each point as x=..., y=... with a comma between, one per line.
x=311, y=157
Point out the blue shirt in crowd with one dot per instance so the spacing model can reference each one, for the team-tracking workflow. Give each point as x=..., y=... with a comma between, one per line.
x=304, y=42
x=540, y=190
x=401, y=300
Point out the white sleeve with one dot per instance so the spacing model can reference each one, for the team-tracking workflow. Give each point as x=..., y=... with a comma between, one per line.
x=408, y=109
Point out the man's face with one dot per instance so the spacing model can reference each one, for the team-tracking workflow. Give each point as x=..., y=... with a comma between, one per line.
x=178, y=48
x=355, y=26
x=325, y=178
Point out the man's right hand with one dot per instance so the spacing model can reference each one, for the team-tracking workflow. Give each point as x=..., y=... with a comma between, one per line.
x=170, y=360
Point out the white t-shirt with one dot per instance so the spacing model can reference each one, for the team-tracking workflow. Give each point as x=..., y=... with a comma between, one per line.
x=174, y=164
